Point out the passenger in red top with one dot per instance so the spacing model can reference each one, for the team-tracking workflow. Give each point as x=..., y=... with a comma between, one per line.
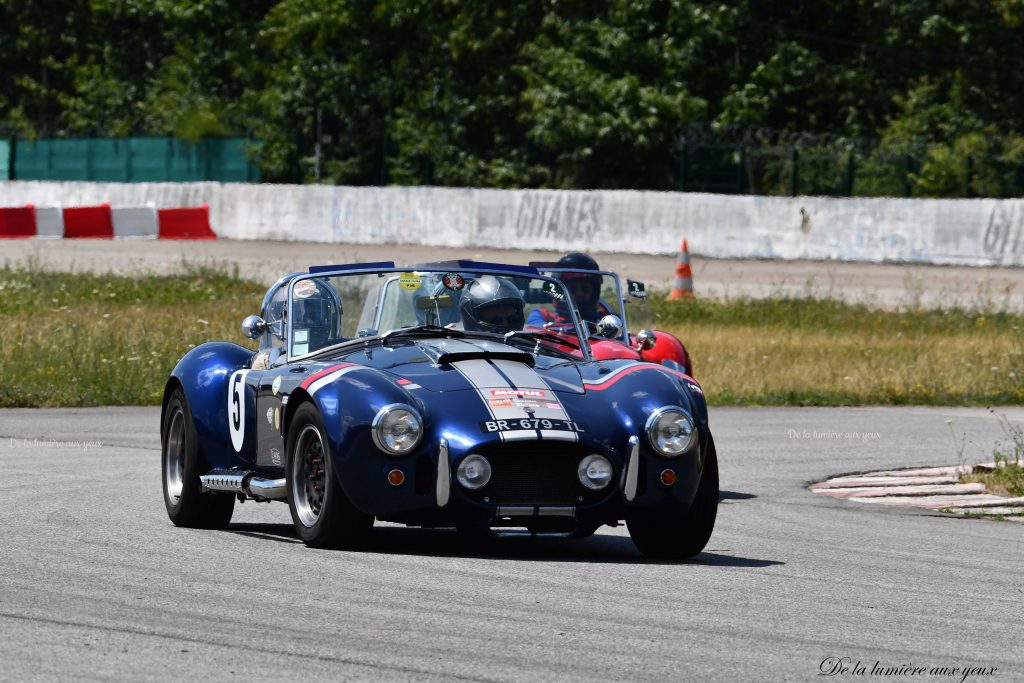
x=584, y=288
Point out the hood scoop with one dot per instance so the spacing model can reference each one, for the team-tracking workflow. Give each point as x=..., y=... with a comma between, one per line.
x=451, y=350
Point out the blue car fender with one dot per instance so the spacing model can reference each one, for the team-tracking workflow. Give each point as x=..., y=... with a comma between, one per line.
x=204, y=374
x=347, y=405
x=642, y=389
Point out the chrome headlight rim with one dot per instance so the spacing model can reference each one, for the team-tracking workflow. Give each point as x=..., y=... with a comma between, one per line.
x=460, y=474
x=377, y=426
x=652, y=422
x=583, y=466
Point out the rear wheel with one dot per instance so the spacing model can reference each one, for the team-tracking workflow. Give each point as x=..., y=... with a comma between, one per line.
x=182, y=463
x=323, y=515
x=682, y=535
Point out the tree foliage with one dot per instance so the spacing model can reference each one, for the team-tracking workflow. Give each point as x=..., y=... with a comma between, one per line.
x=535, y=93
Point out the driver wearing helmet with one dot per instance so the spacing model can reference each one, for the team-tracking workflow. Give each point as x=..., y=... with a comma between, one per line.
x=492, y=304
x=585, y=289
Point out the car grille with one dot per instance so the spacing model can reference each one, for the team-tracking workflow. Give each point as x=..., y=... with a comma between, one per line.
x=537, y=473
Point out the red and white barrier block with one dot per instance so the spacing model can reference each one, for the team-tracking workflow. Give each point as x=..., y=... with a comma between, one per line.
x=104, y=222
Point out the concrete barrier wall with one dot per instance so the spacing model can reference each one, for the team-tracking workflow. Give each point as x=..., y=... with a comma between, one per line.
x=960, y=231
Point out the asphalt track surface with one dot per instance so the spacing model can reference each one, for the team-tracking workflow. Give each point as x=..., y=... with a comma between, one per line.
x=886, y=285
x=95, y=582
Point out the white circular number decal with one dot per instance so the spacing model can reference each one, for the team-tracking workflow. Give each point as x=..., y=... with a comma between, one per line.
x=236, y=408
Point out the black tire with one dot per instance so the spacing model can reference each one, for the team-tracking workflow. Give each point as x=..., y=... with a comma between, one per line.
x=323, y=515
x=684, y=535
x=181, y=464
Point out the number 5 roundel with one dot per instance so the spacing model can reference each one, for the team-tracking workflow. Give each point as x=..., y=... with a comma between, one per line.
x=236, y=408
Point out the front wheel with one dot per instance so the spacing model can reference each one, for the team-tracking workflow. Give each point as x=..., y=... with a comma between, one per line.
x=685, y=535
x=323, y=515
x=182, y=463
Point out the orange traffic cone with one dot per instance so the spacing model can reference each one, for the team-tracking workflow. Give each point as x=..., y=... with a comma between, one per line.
x=684, y=276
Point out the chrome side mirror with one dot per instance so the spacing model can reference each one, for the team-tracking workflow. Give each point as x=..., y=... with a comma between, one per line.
x=645, y=340
x=609, y=326
x=254, y=326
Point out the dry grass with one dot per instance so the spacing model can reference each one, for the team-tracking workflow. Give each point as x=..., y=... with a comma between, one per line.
x=80, y=340
x=807, y=352
x=84, y=340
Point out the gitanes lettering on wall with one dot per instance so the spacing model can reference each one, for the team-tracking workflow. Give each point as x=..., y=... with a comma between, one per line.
x=557, y=215
x=1005, y=233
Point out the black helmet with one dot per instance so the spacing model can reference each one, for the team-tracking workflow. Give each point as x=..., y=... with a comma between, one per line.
x=580, y=261
x=484, y=298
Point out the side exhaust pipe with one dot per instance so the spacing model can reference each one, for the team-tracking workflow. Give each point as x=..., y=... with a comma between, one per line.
x=244, y=482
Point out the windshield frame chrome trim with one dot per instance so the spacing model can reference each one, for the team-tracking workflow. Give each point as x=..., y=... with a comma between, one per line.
x=582, y=334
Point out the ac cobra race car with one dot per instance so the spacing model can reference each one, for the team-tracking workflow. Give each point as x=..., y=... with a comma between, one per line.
x=425, y=396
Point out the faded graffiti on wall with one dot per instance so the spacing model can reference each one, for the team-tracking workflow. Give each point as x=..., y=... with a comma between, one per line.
x=565, y=216
x=1004, y=236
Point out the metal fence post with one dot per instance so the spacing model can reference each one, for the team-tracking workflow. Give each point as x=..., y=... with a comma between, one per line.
x=167, y=158
x=907, y=189
x=969, y=180
x=850, y=163
x=684, y=150
x=129, y=170
x=740, y=167
x=316, y=145
x=90, y=159
x=384, y=159
x=794, y=178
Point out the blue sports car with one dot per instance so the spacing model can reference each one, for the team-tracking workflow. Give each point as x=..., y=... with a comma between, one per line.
x=421, y=396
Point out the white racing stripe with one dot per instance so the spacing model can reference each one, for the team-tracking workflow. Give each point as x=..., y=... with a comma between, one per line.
x=524, y=395
x=522, y=375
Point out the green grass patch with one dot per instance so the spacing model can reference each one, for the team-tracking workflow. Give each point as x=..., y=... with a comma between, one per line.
x=86, y=340
x=1006, y=478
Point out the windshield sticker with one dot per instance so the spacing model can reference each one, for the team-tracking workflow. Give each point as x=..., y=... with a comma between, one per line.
x=300, y=349
x=637, y=289
x=304, y=289
x=302, y=335
x=410, y=281
x=551, y=289
x=453, y=281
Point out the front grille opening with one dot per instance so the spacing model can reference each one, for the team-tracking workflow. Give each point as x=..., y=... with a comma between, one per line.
x=537, y=473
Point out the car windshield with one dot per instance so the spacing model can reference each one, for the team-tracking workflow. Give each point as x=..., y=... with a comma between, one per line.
x=331, y=308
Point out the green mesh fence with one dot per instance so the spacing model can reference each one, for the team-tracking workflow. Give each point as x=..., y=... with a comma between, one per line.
x=134, y=160
x=5, y=160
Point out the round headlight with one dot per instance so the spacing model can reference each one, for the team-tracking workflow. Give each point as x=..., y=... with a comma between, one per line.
x=595, y=472
x=671, y=432
x=397, y=429
x=474, y=472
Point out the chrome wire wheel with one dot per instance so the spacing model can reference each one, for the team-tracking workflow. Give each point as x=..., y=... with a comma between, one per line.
x=309, y=475
x=174, y=469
